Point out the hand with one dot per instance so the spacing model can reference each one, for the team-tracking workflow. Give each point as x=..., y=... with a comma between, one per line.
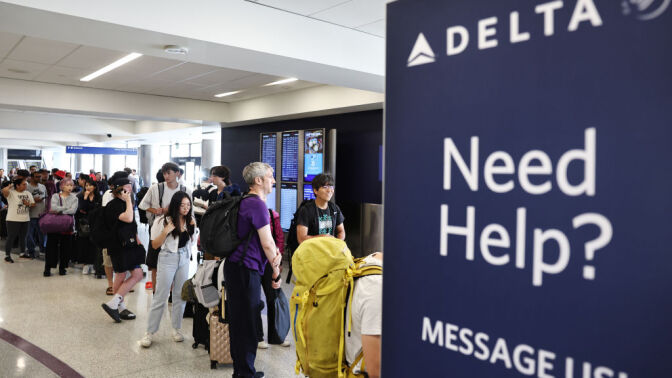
x=167, y=229
x=26, y=202
x=38, y=199
x=126, y=196
x=276, y=273
x=277, y=260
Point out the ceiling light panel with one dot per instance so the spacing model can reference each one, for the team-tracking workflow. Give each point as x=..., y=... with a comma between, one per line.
x=283, y=81
x=128, y=58
x=226, y=94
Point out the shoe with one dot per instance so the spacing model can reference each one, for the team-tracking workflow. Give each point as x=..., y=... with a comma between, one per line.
x=114, y=313
x=46, y=273
x=109, y=291
x=99, y=276
x=9, y=260
x=177, y=336
x=148, y=285
x=262, y=345
x=127, y=315
x=62, y=272
x=285, y=343
x=85, y=269
x=24, y=256
x=146, y=340
x=170, y=297
x=259, y=374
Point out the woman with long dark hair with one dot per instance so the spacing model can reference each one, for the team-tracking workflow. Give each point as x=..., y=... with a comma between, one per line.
x=175, y=234
x=89, y=199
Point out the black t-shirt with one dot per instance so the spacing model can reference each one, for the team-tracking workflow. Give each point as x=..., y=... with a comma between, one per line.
x=320, y=221
x=184, y=238
x=124, y=231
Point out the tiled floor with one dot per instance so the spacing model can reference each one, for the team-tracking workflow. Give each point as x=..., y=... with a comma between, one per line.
x=62, y=315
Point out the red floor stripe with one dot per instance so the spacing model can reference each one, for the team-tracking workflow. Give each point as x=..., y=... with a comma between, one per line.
x=39, y=354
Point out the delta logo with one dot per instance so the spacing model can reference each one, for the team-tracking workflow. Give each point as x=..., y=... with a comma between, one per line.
x=585, y=12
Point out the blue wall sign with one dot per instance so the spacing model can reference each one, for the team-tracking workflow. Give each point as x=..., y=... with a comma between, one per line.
x=100, y=150
x=538, y=237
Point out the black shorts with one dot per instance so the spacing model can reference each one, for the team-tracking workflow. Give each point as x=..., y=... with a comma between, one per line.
x=128, y=258
x=152, y=257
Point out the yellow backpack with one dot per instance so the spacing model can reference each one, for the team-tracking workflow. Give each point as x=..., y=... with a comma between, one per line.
x=324, y=270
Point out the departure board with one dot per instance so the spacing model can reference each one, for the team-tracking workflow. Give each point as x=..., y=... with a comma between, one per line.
x=313, y=158
x=308, y=192
x=270, y=199
x=268, y=149
x=288, y=194
x=290, y=156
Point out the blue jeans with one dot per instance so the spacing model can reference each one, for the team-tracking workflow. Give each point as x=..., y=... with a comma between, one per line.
x=34, y=238
x=172, y=269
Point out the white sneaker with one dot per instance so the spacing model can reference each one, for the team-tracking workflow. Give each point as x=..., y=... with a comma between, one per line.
x=85, y=269
x=177, y=336
x=285, y=343
x=146, y=340
x=262, y=345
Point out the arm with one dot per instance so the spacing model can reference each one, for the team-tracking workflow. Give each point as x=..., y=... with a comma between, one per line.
x=127, y=216
x=56, y=207
x=340, y=231
x=302, y=234
x=371, y=349
x=270, y=250
x=5, y=191
x=159, y=239
x=70, y=205
x=149, y=199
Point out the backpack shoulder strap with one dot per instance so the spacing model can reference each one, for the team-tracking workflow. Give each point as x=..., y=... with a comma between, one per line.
x=161, y=190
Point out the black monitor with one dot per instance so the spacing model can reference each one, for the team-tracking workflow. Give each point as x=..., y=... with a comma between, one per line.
x=313, y=158
x=290, y=156
x=288, y=194
x=268, y=149
x=308, y=191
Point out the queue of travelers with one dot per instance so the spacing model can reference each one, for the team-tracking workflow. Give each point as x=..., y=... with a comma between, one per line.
x=174, y=215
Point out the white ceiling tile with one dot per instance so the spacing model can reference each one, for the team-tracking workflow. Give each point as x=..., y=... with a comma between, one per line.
x=304, y=7
x=62, y=75
x=15, y=69
x=42, y=51
x=354, y=13
x=148, y=65
x=7, y=42
x=91, y=58
x=375, y=28
x=219, y=77
x=184, y=71
x=143, y=86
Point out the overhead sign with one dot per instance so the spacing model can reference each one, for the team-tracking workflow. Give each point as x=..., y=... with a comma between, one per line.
x=537, y=240
x=100, y=150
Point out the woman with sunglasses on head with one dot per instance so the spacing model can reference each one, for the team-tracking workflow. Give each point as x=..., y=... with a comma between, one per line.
x=59, y=244
x=174, y=234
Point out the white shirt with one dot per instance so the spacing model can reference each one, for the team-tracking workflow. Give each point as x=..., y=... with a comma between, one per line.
x=17, y=211
x=107, y=197
x=151, y=199
x=367, y=311
x=171, y=243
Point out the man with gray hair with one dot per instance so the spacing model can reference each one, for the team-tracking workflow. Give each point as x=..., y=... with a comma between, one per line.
x=245, y=267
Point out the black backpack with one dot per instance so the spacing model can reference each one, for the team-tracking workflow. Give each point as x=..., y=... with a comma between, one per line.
x=143, y=213
x=100, y=234
x=219, y=227
x=292, y=242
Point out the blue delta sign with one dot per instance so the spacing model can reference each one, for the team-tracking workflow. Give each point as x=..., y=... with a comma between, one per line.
x=100, y=150
x=538, y=238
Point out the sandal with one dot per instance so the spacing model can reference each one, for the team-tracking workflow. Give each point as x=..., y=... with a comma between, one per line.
x=109, y=291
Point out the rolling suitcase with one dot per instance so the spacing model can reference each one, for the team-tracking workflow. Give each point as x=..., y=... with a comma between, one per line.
x=220, y=347
x=201, y=331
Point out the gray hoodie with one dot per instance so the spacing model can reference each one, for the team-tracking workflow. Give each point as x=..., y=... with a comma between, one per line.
x=68, y=206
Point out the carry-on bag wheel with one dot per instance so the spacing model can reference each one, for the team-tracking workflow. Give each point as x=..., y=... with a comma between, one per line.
x=213, y=364
x=194, y=345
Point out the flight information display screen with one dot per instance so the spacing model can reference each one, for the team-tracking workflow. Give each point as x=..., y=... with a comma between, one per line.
x=290, y=156
x=313, y=159
x=269, y=149
x=288, y=193
x=308, y=192
x=270, y=199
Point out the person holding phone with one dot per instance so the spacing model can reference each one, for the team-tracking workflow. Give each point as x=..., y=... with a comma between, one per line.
x=174, y=235
x=59, y=244
x=19, y=202
x=126, y=253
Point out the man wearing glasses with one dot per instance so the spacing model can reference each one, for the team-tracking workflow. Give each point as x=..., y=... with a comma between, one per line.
x=320, y=218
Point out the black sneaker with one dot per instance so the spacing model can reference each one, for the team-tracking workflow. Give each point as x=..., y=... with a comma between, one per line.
x=114, y=313
x=126, y=315
x=47, y=273
x=25, y=256
x=62, y=272
x=259, y=374
x=9, y=260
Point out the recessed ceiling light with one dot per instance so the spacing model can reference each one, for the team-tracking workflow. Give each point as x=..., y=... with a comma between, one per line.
x=226, y=94
x=18, y=71
x=175, y=49
x=284, y=81
x=112, y=66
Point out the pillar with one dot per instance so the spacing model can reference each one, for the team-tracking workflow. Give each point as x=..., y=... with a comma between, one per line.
x=210, y=153
x=107, y=165
x=146, y=163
